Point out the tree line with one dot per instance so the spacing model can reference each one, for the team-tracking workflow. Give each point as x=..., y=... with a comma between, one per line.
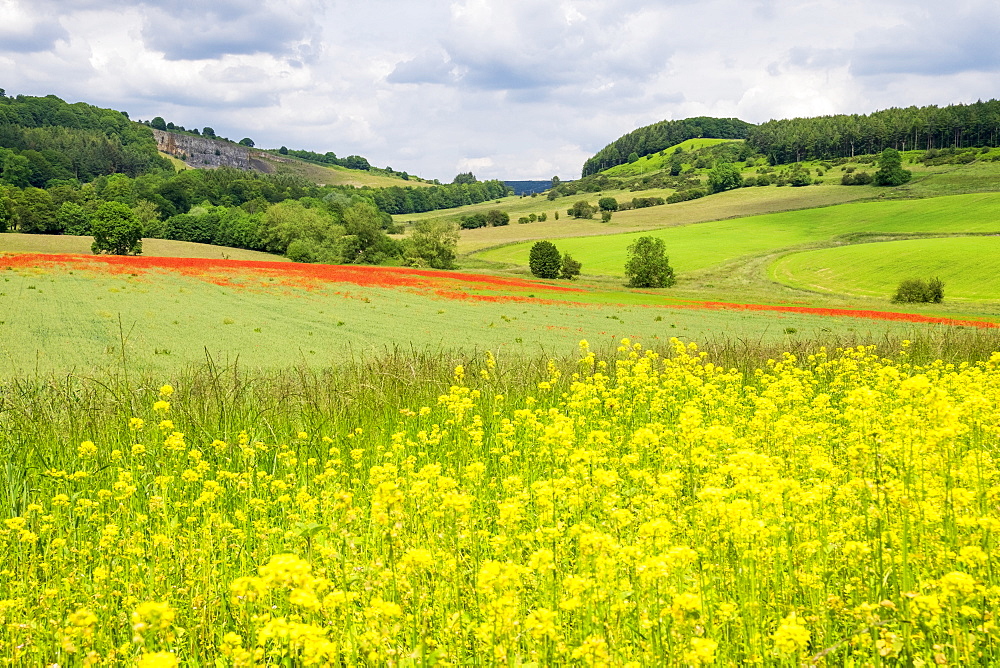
x=846, y=136
x=659, y=136
x=400, y=200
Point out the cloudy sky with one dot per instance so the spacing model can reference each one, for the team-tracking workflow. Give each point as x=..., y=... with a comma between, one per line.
x=516, y=89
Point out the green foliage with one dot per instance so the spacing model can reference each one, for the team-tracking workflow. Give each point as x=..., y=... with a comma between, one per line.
x=73, y=219
x=913, y=290
x=686, y=194
x=464, y=178
x=246, y=141
x=497, y=218
x=828, y=137
x=544, y=260
x=648, y=265
x=890, y=171
x=116, y=230
x=608, y=204
x=570, y=268
x=856, y=179
x=659, y=136
x=725, y=176
x=433, y=243
x=581, y=210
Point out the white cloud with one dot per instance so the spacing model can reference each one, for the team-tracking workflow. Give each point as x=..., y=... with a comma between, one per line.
x=506, y=88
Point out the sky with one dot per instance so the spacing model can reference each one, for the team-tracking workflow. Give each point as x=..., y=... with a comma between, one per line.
x=509, y=89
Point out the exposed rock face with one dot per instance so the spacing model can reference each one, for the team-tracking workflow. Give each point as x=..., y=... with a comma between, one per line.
x=206, y=153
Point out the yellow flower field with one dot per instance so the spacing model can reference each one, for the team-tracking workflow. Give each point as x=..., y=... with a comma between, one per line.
x=650, y=510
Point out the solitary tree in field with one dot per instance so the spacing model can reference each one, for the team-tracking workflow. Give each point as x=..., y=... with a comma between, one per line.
x=647, y=265
x=116, y=230
x=544, y=260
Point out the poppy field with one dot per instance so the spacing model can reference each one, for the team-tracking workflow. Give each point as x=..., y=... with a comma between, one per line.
x=83, y=312
x=635, y=509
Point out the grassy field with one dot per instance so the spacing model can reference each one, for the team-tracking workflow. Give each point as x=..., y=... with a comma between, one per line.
x=66, y=312
x=334, y=174
x=699, y=246
x=927, y=182
x=969, y=267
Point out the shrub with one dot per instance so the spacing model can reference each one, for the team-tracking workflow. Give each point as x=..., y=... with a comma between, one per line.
x=916, y=290
x=608, y=204
x=581, y=210
x=544, y=260
x=570, y=268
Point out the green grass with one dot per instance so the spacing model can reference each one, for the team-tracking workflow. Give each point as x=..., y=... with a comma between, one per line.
x=56, y=318
x=731, y=204
x=334, y=174
x=699, y=246
x=969, y=267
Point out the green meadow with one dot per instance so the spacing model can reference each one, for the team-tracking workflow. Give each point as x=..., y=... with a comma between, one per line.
x=700, y=246
x=969, y=267
x=56, y=319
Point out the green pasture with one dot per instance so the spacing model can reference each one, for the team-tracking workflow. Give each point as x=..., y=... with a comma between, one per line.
x=62, y=319
x=969, y=267
x=699, y=246
x=731, y=204
x=334, y=174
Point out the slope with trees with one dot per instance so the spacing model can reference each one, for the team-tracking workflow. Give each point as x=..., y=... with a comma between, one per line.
x=659, y=136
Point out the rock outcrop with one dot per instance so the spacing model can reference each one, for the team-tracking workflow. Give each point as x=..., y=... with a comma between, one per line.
x=206, y=153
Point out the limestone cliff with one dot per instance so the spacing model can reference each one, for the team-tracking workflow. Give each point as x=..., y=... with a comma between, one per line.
x=206, y=153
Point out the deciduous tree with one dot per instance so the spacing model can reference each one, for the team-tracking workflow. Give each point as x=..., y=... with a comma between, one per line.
x=647, y=265
x=116, y=230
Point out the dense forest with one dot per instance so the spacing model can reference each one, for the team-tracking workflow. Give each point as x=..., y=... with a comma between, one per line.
x=44, y=139
x=658, y=136
x=927, y=128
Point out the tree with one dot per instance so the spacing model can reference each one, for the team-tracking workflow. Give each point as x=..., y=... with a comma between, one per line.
x=608, y=204
x=73, y=219
x=158, y=123
x=208, y=132
x=246, y=141
x=647, y=265
x=36, y=212
x=465, y=177
x=116, y=230
x=544, y=260
x=434, y=243
x=890, y=171
x=283, y=150
x=725, y=176
x=497, y=218
x=570, y=268
x=581, y=210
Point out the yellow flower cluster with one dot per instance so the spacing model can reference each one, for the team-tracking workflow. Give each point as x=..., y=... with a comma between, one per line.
x=648, y=510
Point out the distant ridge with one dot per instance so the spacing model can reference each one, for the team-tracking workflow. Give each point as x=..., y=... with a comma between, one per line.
x=529, y=187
